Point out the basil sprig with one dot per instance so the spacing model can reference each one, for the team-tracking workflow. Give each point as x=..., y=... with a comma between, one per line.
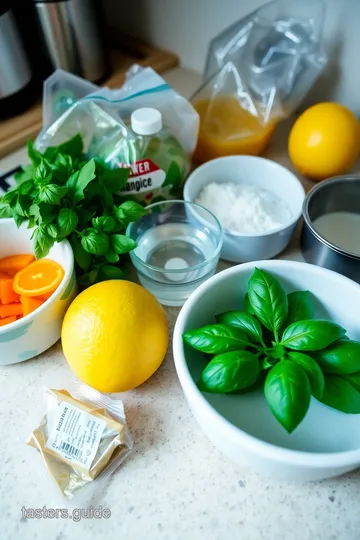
x=63, y=194
x=276, y=343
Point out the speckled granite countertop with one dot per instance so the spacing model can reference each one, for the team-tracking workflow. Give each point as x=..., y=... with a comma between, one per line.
x=176, y=485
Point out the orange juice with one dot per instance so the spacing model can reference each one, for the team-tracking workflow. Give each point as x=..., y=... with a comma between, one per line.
x=227, y=129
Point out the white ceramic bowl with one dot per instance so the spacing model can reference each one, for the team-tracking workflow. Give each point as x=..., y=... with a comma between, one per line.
x=327, y=442
x=258, y=171
x=38, y=331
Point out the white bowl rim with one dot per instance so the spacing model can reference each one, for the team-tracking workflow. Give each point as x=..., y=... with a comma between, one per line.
x=67, y=277
x=255, y=445
x=267, y=161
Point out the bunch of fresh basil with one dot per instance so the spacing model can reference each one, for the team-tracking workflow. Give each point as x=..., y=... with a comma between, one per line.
x=276, y=342
x=63, y=194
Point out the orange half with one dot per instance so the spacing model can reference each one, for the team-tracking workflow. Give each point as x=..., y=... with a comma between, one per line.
x=40, y=277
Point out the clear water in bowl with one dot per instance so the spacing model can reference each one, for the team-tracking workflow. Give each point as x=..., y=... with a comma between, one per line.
x=175, y=252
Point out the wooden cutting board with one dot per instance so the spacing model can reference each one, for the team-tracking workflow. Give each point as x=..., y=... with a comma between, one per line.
x=15, y=131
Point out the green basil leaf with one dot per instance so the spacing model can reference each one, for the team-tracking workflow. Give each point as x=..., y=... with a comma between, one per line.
x=259, y=383
x=173, y=175
x=26, y=187
x=230, y=372
x=353, y=379
x=19, y=220
x=31, y=223
x=52, y=194
x=312, y=370
x=216, y=338
x=300, y=307
x=108, y=199
x=5, y=211
x=122, y=244
x=82, y=257
x=268, y=300
x=22, y=206
x=247, y=305
x=51, y=230
x=34, y=211
x=311, y=335
x=288, y=393
x=67, y=222
x=42, y=242
x=33, y=154
x=24, y=175
x=244, y=321
x=94, y=242
x=48, y=212
x=89, y=278
x=112, y=272
x=85, y=215
x=341, y=395
x=278, y=352
x=115, y=179
x=42, y=173
x=128, y=212
x=112, y=257
x=73, y=147
x=86, y=175
x=104, y=223
x=340, y=358
x=71, y=183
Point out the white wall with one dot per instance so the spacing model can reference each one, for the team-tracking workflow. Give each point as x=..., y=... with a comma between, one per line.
x=187, y=26
x=183, y=26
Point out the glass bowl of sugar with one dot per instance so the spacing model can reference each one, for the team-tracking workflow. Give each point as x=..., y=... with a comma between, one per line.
x=178, y=248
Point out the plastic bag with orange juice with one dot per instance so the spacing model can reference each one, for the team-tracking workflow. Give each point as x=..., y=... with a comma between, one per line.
x=257, y=73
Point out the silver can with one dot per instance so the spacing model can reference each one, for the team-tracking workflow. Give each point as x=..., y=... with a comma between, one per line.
x=338, y=194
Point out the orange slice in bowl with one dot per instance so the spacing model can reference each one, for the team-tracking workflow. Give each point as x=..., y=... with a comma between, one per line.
x=14, y=263
x=39, y=278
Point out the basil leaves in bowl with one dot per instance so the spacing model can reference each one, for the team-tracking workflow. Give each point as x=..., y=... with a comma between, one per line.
x=267, y=356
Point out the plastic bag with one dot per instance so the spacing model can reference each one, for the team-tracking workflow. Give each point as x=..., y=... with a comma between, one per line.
x=83, y=438
x=257, y=73
x=102, y=117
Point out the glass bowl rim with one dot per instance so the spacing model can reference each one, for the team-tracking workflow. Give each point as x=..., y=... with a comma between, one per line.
x=136, y=259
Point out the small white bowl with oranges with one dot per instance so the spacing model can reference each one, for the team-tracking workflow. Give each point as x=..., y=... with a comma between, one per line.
x=34, y=295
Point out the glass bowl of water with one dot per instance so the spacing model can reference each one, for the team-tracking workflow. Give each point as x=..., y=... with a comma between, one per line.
x=178, y=248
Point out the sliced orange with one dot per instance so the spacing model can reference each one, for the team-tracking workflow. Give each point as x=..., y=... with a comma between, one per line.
x=39, y=278
x=7, y=294
x=14, y=263
x=7, y=320
x=29, y=304
x=10, y=310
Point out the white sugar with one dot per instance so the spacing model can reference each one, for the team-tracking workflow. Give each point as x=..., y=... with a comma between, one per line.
x=244, y=208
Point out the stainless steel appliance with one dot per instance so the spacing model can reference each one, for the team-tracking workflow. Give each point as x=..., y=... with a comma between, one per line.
x=73, y=38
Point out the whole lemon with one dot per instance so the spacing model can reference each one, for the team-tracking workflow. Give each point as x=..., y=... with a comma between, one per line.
x=115, y=335
x=325, y=141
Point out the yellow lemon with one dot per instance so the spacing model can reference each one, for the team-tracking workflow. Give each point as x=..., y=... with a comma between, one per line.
x=115, y=336
x=325, y=141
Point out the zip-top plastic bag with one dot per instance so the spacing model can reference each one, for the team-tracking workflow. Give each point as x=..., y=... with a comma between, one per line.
x=159, y=163
x=257, y=73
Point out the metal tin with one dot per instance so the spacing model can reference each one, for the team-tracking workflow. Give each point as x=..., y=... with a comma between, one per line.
x=338, y=194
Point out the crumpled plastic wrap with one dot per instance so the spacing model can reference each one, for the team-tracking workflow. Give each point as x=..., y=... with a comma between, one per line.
x=267, y=62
